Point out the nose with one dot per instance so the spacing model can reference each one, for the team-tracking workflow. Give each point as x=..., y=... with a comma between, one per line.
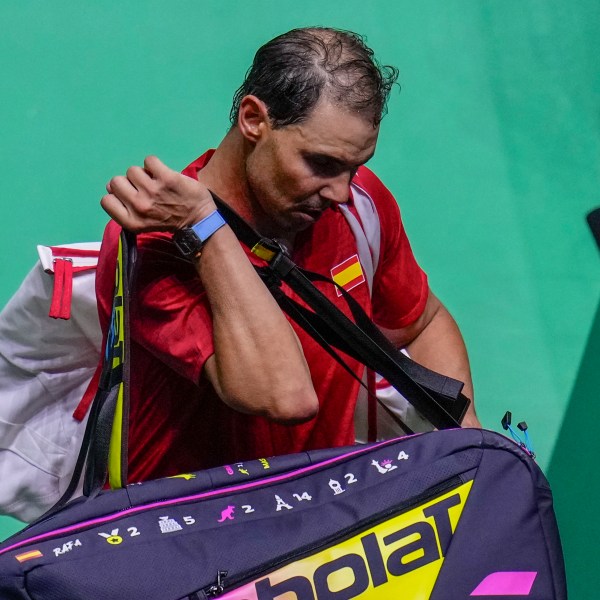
x=336, y=189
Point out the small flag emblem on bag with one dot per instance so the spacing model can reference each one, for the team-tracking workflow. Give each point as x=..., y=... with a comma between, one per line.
x=28, y=555
x=348, y=274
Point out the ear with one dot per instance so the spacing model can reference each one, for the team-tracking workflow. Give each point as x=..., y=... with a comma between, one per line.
x=253, y=118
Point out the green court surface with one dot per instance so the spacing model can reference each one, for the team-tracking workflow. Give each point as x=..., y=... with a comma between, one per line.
x=492, y=148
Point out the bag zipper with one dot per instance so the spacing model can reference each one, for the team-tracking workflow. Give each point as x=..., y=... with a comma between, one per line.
x=220, y=586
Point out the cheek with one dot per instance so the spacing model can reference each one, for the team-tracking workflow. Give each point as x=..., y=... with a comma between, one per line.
x=296, y=181
x=282, y=180
x=268, y=186
x=268, y=172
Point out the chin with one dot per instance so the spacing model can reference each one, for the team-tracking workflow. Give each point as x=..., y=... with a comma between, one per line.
x=301, y=221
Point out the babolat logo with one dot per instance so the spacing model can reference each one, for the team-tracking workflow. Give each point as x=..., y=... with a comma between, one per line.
x=403, y=556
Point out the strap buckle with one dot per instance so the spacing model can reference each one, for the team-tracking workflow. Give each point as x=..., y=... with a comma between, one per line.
x=276, y=254
x=266, y=249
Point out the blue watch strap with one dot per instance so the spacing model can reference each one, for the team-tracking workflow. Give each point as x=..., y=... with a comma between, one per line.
x=207, y=226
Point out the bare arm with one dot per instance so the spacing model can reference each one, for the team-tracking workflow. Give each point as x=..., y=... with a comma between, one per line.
x=258, y=366
x=435, y=341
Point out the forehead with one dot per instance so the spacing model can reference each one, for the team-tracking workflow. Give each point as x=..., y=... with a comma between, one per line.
x=334, y=131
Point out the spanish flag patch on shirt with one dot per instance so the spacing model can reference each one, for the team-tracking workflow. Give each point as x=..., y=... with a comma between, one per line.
x=348, y=274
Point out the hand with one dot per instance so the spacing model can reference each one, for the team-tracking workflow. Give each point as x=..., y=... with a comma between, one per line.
x=156, y=198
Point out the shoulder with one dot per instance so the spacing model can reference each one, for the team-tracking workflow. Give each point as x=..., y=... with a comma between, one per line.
x=157, y=256
x=367, y=180
x=366, y=183
x=383, y=200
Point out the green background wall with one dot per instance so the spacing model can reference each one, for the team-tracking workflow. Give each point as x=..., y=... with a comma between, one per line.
x=492, y=149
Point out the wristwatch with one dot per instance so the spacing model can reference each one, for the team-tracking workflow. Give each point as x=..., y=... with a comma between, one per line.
x=190, y=240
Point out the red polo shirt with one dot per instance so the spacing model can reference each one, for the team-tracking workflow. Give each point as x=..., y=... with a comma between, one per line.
x=177, y=421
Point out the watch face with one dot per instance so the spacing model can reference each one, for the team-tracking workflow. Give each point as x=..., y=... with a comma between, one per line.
x=187, y=242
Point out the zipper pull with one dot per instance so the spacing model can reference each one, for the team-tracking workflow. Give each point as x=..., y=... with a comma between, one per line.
x=60, y=307
x=525, y=445
x=217, y=588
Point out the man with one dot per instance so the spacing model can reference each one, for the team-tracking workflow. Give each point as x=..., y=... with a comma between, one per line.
x=218, y=372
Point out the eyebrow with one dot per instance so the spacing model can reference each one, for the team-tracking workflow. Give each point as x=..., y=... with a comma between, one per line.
x=336, y=161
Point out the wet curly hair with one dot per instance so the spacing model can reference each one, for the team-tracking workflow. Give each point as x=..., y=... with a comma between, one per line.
x=294, y=70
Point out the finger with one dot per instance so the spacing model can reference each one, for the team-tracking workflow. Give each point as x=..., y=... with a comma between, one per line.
x=155, y=167
x=115, y=208
x=139, y=178
x=122, y=188
x=121, y=214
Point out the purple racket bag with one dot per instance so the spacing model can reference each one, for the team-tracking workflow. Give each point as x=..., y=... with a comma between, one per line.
x=451, y=514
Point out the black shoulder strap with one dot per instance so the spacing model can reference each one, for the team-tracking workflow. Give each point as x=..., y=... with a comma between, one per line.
x=437, y=397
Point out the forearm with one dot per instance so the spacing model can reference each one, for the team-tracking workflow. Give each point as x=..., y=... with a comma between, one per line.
x=258, y=365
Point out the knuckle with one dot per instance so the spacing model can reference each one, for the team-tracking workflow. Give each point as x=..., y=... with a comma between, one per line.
x=144, y=207
x=170, y=180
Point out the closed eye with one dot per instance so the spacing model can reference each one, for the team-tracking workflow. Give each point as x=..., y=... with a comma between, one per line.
x=327, y=166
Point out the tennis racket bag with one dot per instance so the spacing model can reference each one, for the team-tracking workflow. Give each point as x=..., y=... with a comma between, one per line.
x=443, y=515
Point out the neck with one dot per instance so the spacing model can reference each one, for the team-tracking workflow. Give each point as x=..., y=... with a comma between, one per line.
x=221, y=172
x=225, y=175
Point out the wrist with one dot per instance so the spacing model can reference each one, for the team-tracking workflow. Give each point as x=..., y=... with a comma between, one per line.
x=203, y=210
x=190, y=240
